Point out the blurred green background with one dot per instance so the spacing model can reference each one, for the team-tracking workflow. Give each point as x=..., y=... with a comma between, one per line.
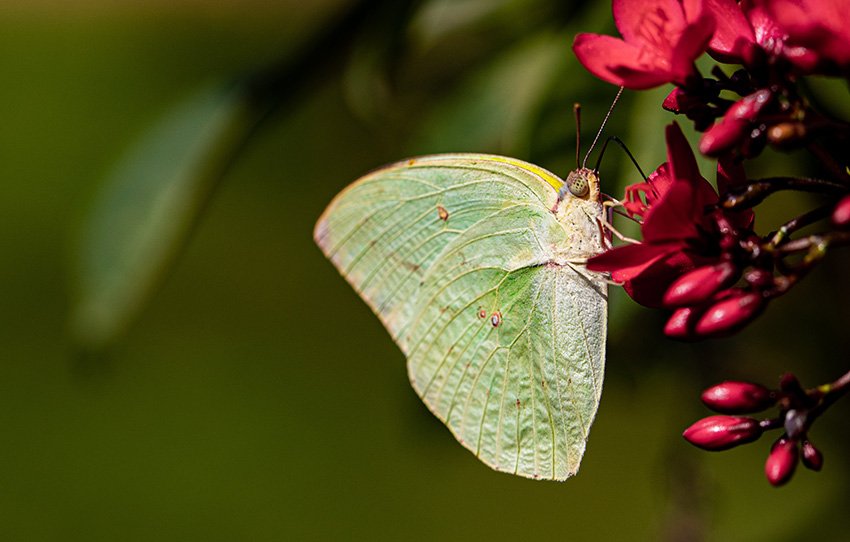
x=255, y=397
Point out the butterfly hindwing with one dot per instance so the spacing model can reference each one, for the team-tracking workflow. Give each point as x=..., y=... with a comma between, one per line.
x=466, y=265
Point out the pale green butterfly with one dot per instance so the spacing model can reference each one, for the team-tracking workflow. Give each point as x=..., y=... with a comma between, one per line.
x=473, y=264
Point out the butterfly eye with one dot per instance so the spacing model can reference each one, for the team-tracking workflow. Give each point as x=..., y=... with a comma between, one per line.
x=577, y=184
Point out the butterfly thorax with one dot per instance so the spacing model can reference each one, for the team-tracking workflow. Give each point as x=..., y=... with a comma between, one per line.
x=579, y=210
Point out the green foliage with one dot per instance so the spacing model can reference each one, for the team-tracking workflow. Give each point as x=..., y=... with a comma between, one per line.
x=149, y=204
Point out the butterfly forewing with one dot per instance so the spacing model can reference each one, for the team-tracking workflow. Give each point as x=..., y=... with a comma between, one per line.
x=472, y=273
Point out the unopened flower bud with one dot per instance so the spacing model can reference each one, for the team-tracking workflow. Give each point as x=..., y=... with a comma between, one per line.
x=749, y=107
x=735, y=125
x=841, y=213
x=681, y=324
x=723, y=136
x=811, y=456
x=781, y=462
x=681, y=101
x=791, y=385
x=730, y=314
x=758, y=278
x=737, y=397
x=698, y=285
x=717, y=433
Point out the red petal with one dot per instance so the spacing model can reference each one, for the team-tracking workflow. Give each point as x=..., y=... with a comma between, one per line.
x=643, y=77
x=733, y=35
x=768, y=35
x=620, y=63
x=691, y=44
x=661, y=180
x=683, y=164
x=626, y=262
x=677, y=215
x=648, y=21
x=671, y=218
x=821, y=26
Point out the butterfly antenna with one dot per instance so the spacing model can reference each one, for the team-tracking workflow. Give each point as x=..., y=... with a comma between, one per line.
x=602, y=127
x=577, y=114
x=623, y=146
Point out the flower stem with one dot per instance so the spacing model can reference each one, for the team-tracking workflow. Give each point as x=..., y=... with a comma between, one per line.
x=831, y=393
x=796, y=223
x=756, y=191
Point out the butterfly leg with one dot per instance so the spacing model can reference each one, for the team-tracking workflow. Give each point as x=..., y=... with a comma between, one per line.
x=604, y=277
x=606, y=225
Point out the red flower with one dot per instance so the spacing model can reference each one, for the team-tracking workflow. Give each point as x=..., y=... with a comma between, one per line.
x=661, y=40
x=679, y=232
x=821, y=26
x=748, y=32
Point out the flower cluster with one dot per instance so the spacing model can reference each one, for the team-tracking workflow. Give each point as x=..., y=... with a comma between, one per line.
x=693, y=250
x=699, y=255
x=798, y=409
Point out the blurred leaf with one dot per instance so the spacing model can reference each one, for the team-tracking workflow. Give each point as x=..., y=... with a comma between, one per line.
x=494, y=108
x=149, y=203
x=440, y=18
x=375, y=58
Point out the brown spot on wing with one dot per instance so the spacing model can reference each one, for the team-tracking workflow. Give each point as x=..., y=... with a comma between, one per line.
x=442, y=213
x=496, y=319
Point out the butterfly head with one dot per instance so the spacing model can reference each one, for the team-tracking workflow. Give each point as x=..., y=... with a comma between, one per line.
x=582, y=183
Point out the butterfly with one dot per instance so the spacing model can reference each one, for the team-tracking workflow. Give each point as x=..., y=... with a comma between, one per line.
x=473, y=264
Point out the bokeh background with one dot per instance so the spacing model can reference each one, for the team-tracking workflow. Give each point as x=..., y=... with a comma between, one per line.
x=243, y=391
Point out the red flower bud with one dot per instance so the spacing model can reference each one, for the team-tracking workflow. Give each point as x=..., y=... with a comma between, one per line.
x=749, y=107
x=681, y=324
x=841, y=213
x=698, y=285
x=781, y=462
x=730, y=314
x=735, y=124
x=811, y=456
x=723, y=136
x=722, y=432
x=737, y=397
x=681, y=101
x=791, y=385
x=758, y=278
